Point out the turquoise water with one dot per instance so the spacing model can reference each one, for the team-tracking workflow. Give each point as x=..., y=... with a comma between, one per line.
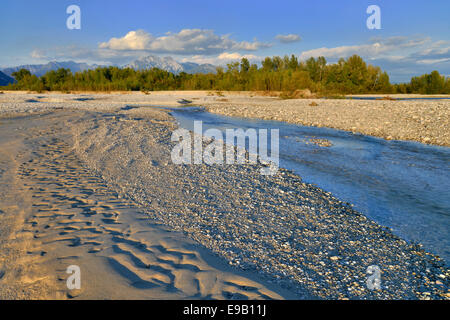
x=399, y=184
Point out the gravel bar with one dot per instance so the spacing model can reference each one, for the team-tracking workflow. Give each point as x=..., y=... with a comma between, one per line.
x=291, y=232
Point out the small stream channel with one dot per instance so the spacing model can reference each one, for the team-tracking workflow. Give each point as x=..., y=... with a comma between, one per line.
x=399, y=184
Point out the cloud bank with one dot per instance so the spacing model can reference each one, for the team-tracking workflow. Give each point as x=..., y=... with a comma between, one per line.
x=402, y=57
x=375, y=48
x=288, y=38
x=187, y=41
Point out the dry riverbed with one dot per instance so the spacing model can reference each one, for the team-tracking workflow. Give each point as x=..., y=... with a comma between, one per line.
x=85, y=182
x=426, y=121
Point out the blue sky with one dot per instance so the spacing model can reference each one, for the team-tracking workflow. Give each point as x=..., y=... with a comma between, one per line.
x=414, y=37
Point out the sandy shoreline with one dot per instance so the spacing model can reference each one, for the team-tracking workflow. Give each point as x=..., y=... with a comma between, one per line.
x=84, y=182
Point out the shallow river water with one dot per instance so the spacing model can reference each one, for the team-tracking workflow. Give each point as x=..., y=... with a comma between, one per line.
x=399, y=184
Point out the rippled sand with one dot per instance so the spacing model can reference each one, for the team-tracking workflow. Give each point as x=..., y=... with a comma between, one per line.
x=55, y=212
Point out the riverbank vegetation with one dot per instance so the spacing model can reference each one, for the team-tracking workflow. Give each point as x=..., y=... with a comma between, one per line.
x=288, y=75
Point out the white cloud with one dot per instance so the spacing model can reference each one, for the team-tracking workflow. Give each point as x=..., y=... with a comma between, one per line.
x=288, y=38
x=338, y=52
x=435, y=52
x=376, y=49
x=433, y=61
x=85, y=54
x=187, y=41
x=221, y=59
x=133, y=40
x=38, y=54
x=236, y=56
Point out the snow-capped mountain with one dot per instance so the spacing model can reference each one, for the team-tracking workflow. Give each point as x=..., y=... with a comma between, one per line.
x=149, y=62
x=192, y=67
x=170, y=65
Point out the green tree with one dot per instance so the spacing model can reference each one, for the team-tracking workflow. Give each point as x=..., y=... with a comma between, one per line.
x=293, y=63
x=245, y=65
x=21, y=74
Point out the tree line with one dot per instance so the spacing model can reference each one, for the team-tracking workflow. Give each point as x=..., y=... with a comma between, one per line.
x=348, y=76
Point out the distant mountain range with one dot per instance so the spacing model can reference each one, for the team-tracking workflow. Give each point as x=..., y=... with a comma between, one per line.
x=166, y=63
x=5, y=79
x=144, y=63
x=192, y=67
x=169, y=64
x=41, y=69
